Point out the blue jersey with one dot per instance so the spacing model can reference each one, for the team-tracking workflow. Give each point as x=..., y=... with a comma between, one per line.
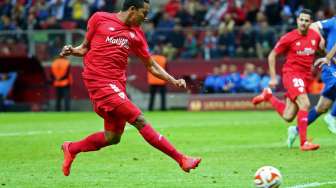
x=328, y=31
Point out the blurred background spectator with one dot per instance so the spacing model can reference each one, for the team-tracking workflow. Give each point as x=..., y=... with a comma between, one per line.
x=251, y=79
x=61, y=80
x=6, y=84
x=157, y=85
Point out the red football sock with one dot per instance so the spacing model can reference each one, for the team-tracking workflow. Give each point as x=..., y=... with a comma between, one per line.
x=159, y=142
x=91, y=143
x=278, y=105
x=302, y=120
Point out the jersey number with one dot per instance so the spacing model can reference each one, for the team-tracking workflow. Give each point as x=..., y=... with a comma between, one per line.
x=298, y=82
x=117, y=90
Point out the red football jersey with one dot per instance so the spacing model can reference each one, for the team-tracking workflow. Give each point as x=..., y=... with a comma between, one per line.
x=300, y=50
x=111, y=42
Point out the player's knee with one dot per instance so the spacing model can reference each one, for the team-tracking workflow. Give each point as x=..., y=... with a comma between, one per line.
x=288, y=118
x=305, y=106
x=321, y=110
x=112, y=139
x=140, y=122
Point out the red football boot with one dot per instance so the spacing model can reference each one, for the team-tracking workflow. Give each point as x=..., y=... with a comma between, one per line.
x=68, y=158
x=265, y=95
x=187, y=163
x=309, y=146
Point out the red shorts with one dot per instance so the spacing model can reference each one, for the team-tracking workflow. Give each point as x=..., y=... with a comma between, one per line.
x=110, y=101
x=296, y=84
x=115, y=120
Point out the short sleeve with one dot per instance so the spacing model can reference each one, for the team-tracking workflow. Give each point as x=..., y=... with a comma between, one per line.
x=91, y=26
x=140, y=46
x=325, y=25
x=282, y=45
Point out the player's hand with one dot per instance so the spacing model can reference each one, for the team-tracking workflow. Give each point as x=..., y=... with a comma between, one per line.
x=273, y=83
x=322, y=61
x=180, y=83
x=67, y=50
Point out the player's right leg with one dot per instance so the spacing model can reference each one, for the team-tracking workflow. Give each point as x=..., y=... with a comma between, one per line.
x=266, y=96
x=111, y=135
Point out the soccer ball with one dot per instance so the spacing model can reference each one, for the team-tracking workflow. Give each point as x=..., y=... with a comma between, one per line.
x=267, y=177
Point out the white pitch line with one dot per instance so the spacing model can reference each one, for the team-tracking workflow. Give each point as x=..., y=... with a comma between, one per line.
x=315, y=184
x=31, y=133
x=128, y=128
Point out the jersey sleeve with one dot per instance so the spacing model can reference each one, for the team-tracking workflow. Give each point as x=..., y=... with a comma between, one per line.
x=282, y=45
x=140, y=47
x=325, y=25
x=91, y=26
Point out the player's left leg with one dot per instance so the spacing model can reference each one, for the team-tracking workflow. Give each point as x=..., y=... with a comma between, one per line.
x=302, y=120
x=161, y=143
x=133, y=115
x=267, y=96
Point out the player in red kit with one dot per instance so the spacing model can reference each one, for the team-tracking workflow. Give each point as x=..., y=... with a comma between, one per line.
x=108, y=42
x=300, y=46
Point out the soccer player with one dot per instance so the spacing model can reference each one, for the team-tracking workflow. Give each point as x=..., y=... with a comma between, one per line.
x=300, y=46
x=108, y=42
x=327, y=29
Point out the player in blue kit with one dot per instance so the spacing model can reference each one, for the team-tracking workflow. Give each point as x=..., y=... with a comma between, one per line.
x=327, y=28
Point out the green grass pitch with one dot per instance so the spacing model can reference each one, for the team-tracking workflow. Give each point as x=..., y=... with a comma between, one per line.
x=233, y=146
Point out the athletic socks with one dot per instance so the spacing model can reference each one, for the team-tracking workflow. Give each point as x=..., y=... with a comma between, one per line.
x=91, y=143
x=302, y=121
x=278, y=105
x=159, y=142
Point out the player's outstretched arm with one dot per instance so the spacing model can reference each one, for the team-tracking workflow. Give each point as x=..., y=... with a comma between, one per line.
x=271, y=64
x=159, y=72
x=79, y=51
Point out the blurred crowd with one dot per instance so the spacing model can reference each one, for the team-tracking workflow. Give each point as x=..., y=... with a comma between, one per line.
x=49, y=14
x=227, y=79
x=208, y=29
x=252, y=79
x=226, y=28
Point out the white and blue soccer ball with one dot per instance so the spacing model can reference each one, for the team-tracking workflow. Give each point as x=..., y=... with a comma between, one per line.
x=267, y=177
